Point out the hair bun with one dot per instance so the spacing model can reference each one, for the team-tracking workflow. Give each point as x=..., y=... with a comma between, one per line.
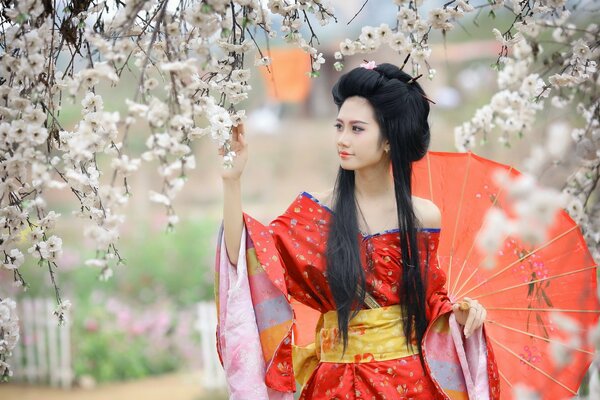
x=391, y=71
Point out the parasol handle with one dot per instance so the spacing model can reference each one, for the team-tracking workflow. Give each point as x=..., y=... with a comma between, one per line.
x=464, y=306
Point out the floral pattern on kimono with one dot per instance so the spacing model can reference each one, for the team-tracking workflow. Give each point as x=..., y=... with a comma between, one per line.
x=292, y=248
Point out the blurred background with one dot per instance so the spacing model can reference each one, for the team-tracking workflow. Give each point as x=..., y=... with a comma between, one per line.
x=149, y=330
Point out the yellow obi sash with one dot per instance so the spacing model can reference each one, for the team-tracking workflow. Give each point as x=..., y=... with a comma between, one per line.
x=373, y=335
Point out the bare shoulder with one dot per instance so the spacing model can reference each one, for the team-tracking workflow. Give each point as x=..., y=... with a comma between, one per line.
x=428, y=213
x=324, y=197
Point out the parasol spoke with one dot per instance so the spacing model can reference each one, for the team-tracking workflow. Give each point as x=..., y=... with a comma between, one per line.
x=505, y=378
x=541, y=371
x=518, y=261
x=460, y=202
x=567, y=310
x=467, y=280
x=430, y=177
x=535, y=281
x=548, y=260
x=538, y=337
x=474, y=242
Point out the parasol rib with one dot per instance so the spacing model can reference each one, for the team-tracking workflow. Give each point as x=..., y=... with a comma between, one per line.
x=533, y=366
x=534, y=281
x=542, y=309
x=462, y=195
x=473, y=244
x=468, y=279
x=505, y=378
x=539, y=337
x=430, y=177
x=477, y=268
x=519, y=260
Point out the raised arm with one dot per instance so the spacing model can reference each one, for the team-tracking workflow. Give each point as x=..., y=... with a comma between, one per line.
x=232, y=203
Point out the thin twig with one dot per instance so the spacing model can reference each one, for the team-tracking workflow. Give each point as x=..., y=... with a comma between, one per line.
x=355, y=15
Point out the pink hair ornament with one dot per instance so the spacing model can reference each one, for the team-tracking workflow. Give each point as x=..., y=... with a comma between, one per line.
x=368, y=64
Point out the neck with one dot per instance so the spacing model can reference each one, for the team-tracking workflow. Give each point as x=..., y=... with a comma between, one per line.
x=373, y=182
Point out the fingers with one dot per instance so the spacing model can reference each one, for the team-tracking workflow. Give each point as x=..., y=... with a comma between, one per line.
x=238, y=133
x=470, y=314
x=238, y=139
x=476, y=317
x=469, y=323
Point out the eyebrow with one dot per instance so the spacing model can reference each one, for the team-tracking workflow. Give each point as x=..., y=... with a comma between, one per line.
x=354, y=121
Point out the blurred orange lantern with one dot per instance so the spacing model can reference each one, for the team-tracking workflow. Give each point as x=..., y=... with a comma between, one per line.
x=286, y=77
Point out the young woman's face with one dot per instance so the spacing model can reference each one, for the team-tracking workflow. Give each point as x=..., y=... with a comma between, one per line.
x=358, y=135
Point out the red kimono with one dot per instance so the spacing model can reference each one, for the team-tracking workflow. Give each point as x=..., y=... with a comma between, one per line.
x=291, y=249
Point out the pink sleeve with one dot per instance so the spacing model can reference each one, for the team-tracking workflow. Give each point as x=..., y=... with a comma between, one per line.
x=255, y=319
x=472, y=354
x=458, y=366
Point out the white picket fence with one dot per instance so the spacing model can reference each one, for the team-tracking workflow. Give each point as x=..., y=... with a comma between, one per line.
x=43, y=353
x=213, y=376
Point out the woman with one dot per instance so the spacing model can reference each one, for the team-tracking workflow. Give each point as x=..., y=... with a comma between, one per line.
x=343, y=253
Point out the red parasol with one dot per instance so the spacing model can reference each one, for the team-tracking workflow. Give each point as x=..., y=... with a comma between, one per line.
x=529, y=284
x=524, y=289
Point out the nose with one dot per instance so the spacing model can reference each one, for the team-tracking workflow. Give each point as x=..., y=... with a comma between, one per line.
x=343, y=138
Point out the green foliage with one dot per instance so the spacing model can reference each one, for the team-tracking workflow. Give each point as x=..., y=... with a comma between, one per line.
x=166, y=272
x=112, y=356
x=178, y=264
x=108, y=357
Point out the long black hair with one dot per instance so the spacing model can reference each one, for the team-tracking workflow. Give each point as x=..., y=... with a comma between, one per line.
x=401, y=112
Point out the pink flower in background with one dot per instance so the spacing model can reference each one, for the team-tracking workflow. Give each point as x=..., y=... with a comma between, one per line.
x=161, y=323
x=91, y=325
x=137, y=328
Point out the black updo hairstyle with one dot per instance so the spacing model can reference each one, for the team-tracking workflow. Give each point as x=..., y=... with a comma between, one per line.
x=401, y=110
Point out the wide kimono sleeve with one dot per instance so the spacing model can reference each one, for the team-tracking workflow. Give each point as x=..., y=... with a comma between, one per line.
x=460, y=368
x=255, y=318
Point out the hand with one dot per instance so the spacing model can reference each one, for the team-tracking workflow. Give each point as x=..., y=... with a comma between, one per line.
x=472, y=317
x=240, y=147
